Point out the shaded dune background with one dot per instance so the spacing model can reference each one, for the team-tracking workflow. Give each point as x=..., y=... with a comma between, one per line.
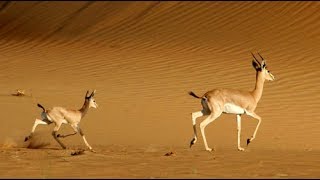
x=143, y=58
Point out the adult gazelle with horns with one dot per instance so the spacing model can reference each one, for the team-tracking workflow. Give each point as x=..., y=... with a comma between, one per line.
x=61, y=115
x=231, y=101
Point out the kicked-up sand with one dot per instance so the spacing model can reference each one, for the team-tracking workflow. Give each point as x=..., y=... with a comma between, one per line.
x=143, y=58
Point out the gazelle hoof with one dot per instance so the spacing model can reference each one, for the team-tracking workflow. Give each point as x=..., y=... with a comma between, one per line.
x=240, y=149
x=193, y=141
x=93, y=151
x=26, y=138
x=209, y=149
x=248, y=141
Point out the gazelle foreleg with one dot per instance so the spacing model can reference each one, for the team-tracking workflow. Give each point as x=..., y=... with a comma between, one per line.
x=213, y=116
x=78, y=129
x=36, y=123
x=239, y=131
x=254, y=115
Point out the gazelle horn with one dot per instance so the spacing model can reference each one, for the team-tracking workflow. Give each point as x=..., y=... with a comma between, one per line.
x=260, y=56
x=256, y=59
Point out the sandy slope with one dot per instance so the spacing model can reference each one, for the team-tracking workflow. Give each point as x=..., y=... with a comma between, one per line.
x=143, y=58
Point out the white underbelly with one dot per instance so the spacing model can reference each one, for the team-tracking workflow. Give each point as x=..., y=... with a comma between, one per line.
x=233, y=109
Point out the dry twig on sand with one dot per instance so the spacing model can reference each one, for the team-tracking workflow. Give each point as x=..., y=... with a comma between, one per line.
x=170, y=154
x=19, y=92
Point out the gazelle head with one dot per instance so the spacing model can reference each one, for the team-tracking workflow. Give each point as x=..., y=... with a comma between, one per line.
x=262, y=68
x=91, y=100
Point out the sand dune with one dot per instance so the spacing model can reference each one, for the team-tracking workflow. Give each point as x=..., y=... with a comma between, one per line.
x=143, y=58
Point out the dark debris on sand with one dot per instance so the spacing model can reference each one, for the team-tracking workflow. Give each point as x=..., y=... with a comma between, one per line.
x=77, y=152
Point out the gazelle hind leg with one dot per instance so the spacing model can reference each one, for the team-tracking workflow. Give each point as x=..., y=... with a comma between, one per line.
x=54, y=134
x=195, y=115
x=64, y=136
x=239, y=131
x=36, y=123
x=71, y=134
x=213, y=116
x=254, y=115
x=204, y=112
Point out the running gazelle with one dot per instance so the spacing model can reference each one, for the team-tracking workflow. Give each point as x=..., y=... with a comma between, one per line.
x=61, y=115
x=218, y=101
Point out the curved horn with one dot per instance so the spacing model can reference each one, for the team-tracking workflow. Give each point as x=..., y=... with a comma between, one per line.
x=256, y=59
x=260, y=56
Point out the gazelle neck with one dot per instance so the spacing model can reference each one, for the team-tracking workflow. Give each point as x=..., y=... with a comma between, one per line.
x=257, y=92
x=84, y=109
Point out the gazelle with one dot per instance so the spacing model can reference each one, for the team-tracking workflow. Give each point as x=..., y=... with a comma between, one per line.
x=61, y=115
x=218, y=101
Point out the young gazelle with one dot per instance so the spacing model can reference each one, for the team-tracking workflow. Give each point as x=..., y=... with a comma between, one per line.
x=218, y=101
x=61, y=115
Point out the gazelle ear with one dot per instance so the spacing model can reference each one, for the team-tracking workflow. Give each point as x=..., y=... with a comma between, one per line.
x=94, y=91
x=87, y=95
x=263, y=64
x=255, y=65
x=92, y=94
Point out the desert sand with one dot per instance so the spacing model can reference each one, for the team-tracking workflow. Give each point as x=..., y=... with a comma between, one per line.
x=143, y=58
